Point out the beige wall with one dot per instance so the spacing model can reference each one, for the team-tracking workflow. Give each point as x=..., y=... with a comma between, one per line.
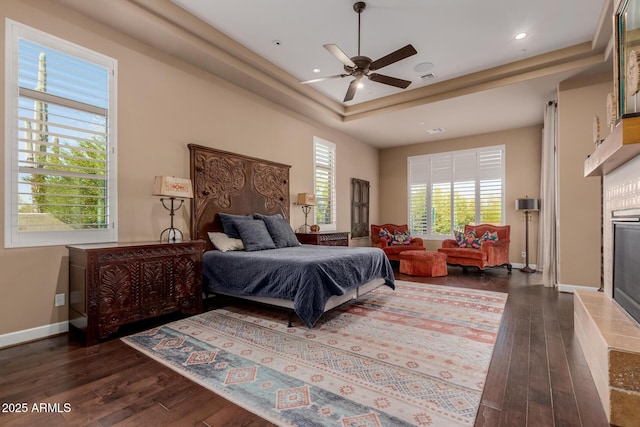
x=163, y=105
x=579, y=205
x=522, y=155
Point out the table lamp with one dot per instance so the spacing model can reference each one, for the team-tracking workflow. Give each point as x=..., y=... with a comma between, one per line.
x=172, y=189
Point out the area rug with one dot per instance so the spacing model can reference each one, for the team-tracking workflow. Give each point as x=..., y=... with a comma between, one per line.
x=414, y=356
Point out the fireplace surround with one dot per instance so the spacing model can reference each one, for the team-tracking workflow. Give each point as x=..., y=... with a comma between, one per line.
x=607, y=333
x=626, y=265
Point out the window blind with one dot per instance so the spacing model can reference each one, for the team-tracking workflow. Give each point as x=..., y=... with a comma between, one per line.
x=63, y=152
x=325, y=185
x=449, y=190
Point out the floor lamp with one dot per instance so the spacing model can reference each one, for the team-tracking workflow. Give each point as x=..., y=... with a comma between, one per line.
x=527, y=205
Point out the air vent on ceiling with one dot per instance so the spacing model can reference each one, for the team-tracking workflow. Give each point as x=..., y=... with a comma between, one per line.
x=428, y=76
x=435, y=130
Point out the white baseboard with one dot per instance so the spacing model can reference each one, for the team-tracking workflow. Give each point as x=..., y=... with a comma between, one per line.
x=571, y=288
x=26, y=335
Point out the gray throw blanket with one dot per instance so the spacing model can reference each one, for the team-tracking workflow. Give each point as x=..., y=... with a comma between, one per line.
x=307, y=275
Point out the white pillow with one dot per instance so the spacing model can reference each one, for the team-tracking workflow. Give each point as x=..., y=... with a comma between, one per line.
x=224, y=243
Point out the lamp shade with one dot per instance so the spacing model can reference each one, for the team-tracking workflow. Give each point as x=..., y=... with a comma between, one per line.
x=170, y=186
x=527, y=204
x=307, y=199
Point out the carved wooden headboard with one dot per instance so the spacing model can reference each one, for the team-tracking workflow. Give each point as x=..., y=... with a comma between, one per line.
x=236, y=184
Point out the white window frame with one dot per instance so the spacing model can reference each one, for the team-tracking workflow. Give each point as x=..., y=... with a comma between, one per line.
x=14, y=32
x=321, y=144
x=414, y=169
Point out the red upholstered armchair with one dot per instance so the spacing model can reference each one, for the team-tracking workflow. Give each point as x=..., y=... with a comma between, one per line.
x=393, y=251
x=490, y=254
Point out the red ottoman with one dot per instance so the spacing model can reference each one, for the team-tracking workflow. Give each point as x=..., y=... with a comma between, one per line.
x=423, y=263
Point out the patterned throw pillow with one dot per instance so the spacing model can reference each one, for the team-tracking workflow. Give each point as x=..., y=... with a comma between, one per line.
x=401, y=238
x=469, y=240
x=385, y=235
x=490, y=237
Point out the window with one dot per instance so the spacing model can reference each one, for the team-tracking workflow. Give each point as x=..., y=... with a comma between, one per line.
x=449, y=190
x=324, y=154
x=60, y=171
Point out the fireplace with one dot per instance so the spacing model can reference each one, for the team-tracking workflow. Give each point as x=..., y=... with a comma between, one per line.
x=607, y=331
x=626, y=266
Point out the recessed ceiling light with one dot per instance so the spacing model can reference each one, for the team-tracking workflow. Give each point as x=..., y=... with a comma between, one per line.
x=276, y=42
x=316, y=70
x=520, y=36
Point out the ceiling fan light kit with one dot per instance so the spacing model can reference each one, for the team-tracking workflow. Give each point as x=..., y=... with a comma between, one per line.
x=361, y=66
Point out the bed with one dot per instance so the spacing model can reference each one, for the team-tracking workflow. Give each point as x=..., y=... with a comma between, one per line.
x=306, y=279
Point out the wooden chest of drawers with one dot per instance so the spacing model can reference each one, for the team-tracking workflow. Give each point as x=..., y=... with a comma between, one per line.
x=326, y=238
x=113, y=284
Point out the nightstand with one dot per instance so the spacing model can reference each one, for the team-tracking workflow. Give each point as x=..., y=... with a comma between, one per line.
x=113, y=284
x=324, y=238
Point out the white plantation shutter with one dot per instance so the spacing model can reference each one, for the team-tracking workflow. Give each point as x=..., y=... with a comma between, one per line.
x=491, y=175
x=61, y=148
x=325, y=183
x=464, y=189
x=419, y=201
x=449, y=190
x=441, y=192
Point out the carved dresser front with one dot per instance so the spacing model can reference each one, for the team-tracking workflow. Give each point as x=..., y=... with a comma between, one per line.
x=114, y=284
x=324, y=238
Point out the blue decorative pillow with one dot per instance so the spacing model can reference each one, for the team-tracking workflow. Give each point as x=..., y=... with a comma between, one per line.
x=280, y=230
x=254, y=235
x=229, y=223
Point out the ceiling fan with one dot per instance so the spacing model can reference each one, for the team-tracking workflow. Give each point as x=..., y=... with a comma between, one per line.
x=360, y=66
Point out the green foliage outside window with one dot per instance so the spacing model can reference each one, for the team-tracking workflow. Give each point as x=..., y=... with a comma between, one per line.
x=441, y=211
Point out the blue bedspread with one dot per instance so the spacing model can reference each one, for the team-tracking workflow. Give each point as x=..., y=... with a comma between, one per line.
x=307, y=275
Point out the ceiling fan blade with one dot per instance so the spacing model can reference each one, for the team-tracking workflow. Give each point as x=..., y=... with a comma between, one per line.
x=320, y=79
x=402, y=53
x=389, y=80
x=338, y=53
x=351, y=90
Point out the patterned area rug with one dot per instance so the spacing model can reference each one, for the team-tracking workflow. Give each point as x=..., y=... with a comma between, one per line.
x=414, y=356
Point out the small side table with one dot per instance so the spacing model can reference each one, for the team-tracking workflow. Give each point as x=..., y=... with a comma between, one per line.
x=324, y=238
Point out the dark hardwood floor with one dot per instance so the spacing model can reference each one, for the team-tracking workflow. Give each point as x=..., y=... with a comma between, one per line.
x=538, y=375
